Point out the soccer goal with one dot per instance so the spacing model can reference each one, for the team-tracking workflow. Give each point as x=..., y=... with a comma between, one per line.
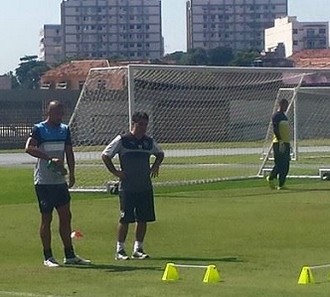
x=212, y=122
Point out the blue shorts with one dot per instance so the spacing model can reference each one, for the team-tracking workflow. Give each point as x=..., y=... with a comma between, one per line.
x=136, y=206
x=52, y=196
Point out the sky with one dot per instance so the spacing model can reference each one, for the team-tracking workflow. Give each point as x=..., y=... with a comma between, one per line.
x=22, y=20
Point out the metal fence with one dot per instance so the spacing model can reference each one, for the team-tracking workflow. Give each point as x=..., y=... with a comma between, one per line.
x=21, y=109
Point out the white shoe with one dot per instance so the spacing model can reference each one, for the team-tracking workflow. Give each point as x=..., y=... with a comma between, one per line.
x=270, y=182
x=121, y=255
x=282, y=188
x=51, y=262
x=139, y=255
x=76, y=261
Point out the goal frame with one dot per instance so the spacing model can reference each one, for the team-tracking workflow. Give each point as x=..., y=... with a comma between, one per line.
x=132, y=103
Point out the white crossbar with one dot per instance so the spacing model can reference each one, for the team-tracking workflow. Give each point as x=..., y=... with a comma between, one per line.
x=319, y=266
x=191, y=266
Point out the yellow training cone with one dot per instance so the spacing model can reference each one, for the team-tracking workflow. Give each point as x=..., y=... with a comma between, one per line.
x=170, y=273
x=211, y=275
x=306, y=276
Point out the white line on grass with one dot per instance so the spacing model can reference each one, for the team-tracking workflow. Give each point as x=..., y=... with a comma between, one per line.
x=25, y=294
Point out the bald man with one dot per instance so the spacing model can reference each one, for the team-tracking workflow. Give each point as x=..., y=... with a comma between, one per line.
x=50, y=142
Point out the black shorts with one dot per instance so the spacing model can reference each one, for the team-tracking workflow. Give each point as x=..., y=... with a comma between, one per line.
x=136, y=207
x=52, y=196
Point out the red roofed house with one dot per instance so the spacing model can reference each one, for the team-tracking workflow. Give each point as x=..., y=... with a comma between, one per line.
x=312, y=58
x=70, y=75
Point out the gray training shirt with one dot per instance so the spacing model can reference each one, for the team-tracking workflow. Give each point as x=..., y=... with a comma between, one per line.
x=134, y=156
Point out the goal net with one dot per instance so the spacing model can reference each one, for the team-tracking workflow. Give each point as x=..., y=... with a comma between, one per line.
x=212, y=122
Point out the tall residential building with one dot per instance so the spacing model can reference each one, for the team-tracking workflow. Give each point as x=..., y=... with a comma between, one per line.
x=5, y=82
x=126, y=29
x=130, y=29
x=238, y=24
x=51, y=44
x=297, y=36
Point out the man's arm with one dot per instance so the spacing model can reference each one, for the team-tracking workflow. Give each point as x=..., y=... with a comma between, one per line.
x=276, y=127
x=31, y=147
x=70, y=160
x=111, y=167
x=155, y=166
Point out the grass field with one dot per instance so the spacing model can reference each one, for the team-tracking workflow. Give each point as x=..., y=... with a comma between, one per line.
x=258, y=239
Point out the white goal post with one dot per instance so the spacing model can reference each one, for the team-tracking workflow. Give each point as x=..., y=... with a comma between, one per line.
x=212, y=122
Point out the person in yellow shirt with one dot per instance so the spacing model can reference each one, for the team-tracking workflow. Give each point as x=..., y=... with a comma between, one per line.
x=281, y=146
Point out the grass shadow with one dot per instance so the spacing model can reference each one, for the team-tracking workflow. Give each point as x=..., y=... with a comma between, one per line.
x=197, y=259
x=113, y=268
x=271, y=192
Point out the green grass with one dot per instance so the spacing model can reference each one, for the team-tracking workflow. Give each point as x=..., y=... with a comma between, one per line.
x=259, y=240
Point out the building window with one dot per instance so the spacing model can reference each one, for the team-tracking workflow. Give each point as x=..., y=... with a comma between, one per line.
x=323, y=42
x=310, y=44
x=295, y=31
x=310, y=32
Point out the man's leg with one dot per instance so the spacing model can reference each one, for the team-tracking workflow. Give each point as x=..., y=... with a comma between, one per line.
x=122, y=231
x=64, y=215
x=140, y=231
x=284, y=166
x=282, y=173
x=45, y=234
x=275, y=171
x=273, y=174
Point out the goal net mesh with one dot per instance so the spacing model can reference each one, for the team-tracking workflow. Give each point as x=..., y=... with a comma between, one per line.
x=212, y=122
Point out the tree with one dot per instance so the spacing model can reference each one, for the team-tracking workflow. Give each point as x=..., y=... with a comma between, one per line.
x=29, y=72
x=220, y=56
x=196, y=56
x=13, y=78
x=175, y=56
x=245, y=58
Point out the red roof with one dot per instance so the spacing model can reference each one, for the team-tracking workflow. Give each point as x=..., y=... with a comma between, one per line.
x=73, y=69
x=313, y=58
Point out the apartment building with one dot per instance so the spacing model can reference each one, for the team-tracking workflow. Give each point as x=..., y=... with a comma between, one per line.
x=96, y=29
x=238, y=24
x=130, y=29
x=5, y=82
x=297, y=36
x=51, y=40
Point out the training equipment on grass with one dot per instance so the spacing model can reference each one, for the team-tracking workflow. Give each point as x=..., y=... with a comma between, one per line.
x=76, y=234
x=324, y=173
x=306, y=276
x=212, y=122
x=113, y=187
x=171, y=273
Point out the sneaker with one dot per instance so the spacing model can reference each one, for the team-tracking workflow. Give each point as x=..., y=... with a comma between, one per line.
x=76, y=261
x=121, y=255
x=282, y=188
x=270, y=182
x=51, y=262
x=139, y=255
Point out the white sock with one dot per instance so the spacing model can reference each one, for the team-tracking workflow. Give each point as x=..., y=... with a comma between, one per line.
x=120, y=246
x=138, y=245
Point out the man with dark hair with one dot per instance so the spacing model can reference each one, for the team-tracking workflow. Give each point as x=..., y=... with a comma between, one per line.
x=49, y=141
x=281, y=147
x=135, y=187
